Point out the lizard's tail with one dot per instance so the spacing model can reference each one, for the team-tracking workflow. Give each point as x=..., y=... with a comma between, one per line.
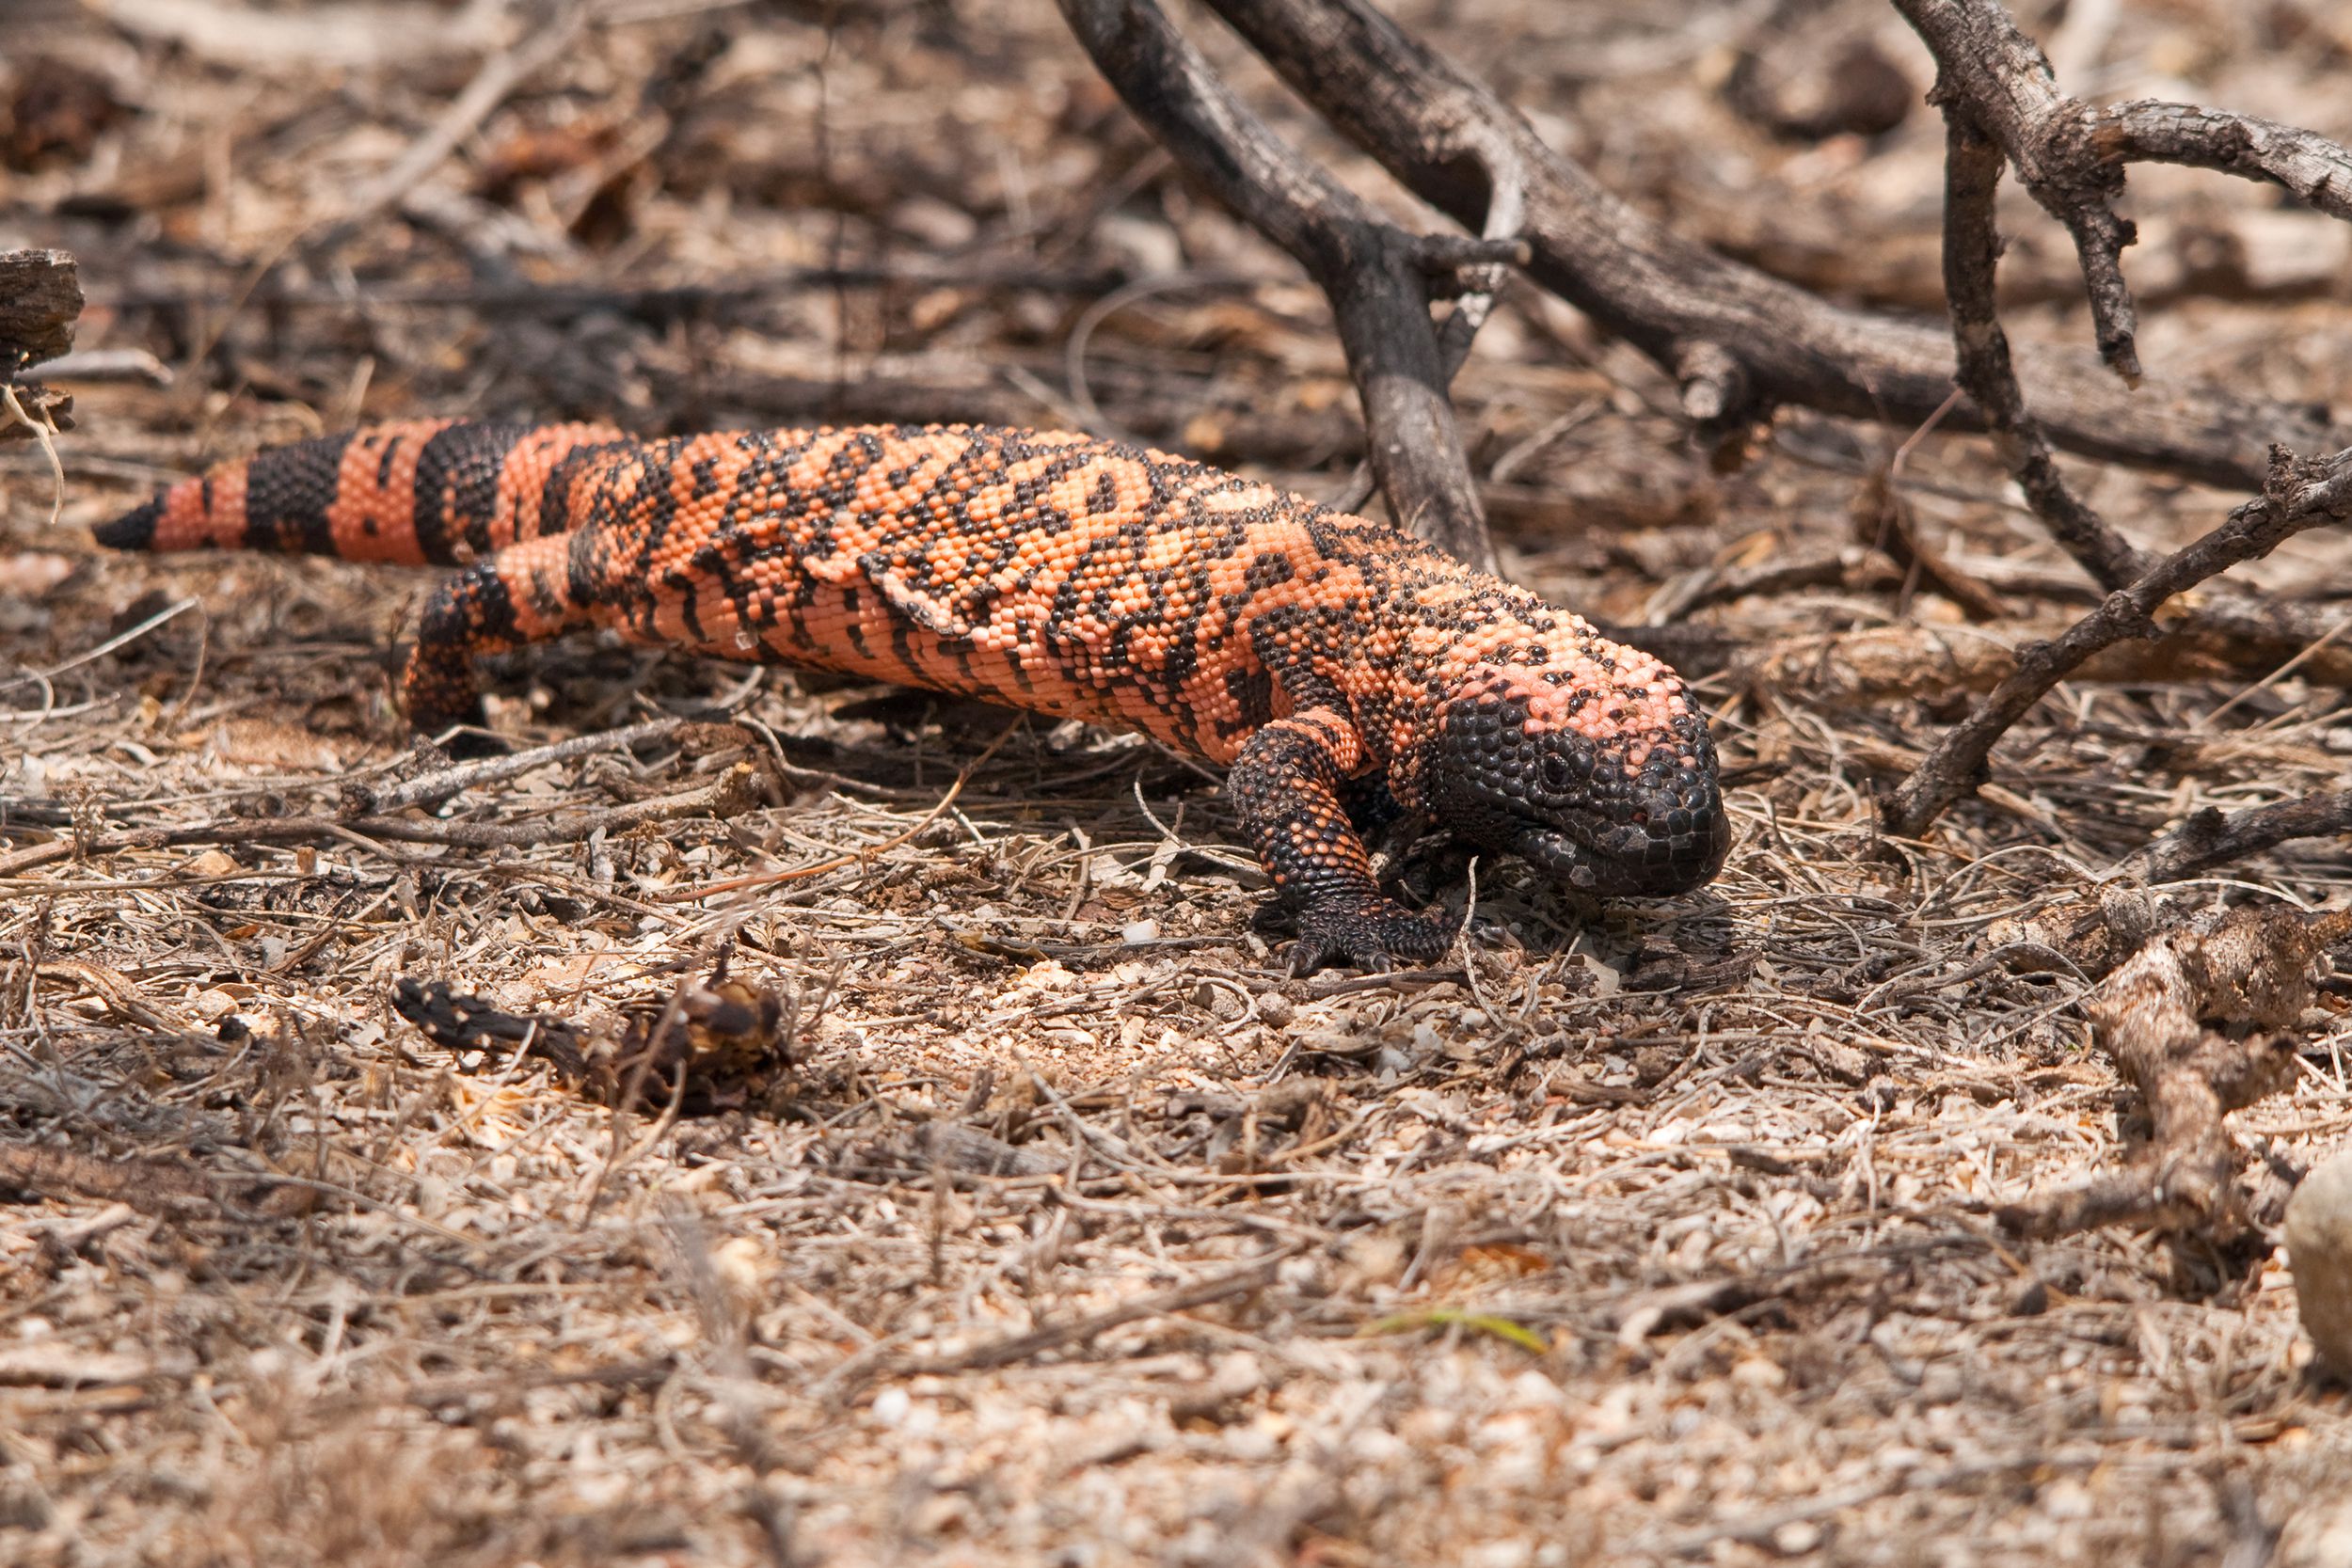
x=429, y=492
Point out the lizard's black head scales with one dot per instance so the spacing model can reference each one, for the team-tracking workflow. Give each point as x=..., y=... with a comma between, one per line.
x=1605, y=806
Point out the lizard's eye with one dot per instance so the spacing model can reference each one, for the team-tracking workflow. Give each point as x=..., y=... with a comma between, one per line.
x=1557, y=775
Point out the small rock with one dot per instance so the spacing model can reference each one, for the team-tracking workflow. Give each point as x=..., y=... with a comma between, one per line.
x=213, y=863
x=1796, y=1538
x=212, y=1006
x=2318, y=1536
x=2319, y=1251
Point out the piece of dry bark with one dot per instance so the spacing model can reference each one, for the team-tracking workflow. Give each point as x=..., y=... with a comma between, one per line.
x=2197, y=1023
x=40, y=297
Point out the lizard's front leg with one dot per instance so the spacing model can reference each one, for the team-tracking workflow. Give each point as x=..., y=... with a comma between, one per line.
x=1286, y=782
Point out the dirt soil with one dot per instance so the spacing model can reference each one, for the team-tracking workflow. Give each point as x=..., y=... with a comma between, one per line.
x=1075, y=1230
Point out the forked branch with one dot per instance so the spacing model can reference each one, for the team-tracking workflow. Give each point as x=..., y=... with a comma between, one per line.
x=1739, y=341
x=2300, y=495
x=1995, y=78
x=1378, y=278
x=2001, y=102
x=1972, y=248
x=2072, y=157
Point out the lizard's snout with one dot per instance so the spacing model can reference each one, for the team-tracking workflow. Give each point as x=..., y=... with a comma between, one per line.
x=1672, y=835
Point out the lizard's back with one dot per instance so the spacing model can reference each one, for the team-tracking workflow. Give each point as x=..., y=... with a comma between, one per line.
x=1054, y=571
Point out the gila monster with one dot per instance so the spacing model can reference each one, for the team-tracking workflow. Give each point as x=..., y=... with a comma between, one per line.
x=1326, y=662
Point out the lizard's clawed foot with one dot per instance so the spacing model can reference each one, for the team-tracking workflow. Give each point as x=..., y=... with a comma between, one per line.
x=1376, y=936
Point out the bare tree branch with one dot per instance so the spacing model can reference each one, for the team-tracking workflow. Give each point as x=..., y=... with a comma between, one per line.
x=2000, y=99
x=1377, y=276
x=2147, y=131
x=1972, y=248
x=2070, y=157
x=2300, y=495
x=2000, y=80
x=1695, y=311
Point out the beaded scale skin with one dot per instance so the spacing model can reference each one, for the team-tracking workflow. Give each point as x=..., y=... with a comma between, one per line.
x=1326, y=660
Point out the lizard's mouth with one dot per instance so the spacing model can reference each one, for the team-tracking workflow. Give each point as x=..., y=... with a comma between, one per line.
x=1673, y=851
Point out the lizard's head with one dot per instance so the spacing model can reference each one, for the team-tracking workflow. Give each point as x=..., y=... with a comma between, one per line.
x=1597, y=767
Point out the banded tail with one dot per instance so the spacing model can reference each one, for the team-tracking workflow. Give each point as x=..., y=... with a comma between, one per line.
x=427, y=492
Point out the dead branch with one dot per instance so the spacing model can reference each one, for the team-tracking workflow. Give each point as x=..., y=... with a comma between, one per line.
x=2209, y=838
x=1920, y=661
x=2316, y=171
x=1883, y=520
x=1740, y=341
x=1379, y=277
x=2300, y=494
x=2072, y=157
x=2001, y=102
x=1877, y=664
x=1992, y=78
x=1971, y=248
x=2252, y=974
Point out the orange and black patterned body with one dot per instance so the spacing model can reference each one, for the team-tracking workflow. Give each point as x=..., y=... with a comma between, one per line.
x=1311, y=652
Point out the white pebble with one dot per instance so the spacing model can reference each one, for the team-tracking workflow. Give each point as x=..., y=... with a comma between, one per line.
x=2319, y=1251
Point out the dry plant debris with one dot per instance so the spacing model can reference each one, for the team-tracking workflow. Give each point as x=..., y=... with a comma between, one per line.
x=1073, y=1231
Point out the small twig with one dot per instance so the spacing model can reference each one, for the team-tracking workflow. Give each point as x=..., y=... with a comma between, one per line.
x=2209, y=838
x=1082, y=331
x=109, y=365
x=798, y=873
x=121, y=640
x=1883, y=521
x=44, y=431
x=731, y=794
x=2300, y=495
x=360, y=798
x=540, y=46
